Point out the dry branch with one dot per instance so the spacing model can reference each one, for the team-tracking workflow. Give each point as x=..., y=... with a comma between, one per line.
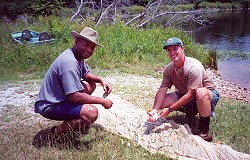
x=161, y=14
x=106, y=10
x=77, y=12
x=79, y=9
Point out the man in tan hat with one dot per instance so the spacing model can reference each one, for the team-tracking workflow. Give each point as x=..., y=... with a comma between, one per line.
x=66, y=91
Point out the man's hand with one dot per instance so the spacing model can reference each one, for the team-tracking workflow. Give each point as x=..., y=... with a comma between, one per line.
x=153, y=115
x=106, y=87
x=107, y=103
x=164, y=112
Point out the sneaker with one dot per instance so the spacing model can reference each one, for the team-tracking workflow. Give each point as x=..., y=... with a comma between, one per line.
x=206, y=136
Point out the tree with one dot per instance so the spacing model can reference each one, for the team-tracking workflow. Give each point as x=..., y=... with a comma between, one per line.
x=154, y=10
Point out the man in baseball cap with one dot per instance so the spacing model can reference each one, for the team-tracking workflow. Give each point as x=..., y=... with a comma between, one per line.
x=65, y=94
x=195, y=92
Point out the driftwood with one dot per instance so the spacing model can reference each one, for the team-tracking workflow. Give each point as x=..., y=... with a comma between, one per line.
x=79, y=9
x=109, y=11
x=77, y=12
x=112, y=5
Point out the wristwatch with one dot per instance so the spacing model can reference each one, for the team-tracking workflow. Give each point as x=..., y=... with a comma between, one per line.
x=170, y=109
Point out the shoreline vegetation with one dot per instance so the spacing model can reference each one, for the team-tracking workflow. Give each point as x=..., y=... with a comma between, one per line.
x=129, y=54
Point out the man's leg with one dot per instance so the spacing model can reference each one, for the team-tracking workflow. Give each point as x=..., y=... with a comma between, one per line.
x=190, y=109
x=203, y=100
x=88, y=115
x=170, y=99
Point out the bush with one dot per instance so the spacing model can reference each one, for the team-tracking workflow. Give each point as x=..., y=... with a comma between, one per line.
x=125, y=48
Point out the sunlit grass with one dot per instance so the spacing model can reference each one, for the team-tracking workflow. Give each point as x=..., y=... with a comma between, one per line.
x=231, y=124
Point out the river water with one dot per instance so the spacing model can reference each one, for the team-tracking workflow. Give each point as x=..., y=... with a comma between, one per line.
x=230, y=31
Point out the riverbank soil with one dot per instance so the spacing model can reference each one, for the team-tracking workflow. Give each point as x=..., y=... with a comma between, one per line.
x=23, y=94
x=229, y=90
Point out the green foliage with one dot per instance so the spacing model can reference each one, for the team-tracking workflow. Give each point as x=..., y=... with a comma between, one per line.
x=32, y=7
x=129, y=47
x=43, y=7
x=231, y=124
x=60, y=28
x=185, y=7
x=219, y=5
x=178, y=7
x=126, y=49
x=206, y=5
x=135, y=9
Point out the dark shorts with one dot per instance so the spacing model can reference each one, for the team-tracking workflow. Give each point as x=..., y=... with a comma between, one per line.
x=64, y=111
x=191, y=107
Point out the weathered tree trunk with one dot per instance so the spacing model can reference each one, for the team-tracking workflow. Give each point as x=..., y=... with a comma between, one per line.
x=77, y=12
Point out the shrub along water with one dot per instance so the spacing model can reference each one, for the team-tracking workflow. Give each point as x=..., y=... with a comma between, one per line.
x=127, y=49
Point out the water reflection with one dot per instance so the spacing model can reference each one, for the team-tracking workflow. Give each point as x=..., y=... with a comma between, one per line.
x=230, y=31
x=229, y=71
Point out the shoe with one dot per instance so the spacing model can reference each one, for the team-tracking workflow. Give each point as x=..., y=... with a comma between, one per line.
x=206, y=136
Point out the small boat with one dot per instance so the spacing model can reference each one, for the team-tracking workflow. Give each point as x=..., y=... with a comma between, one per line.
x=31, y=37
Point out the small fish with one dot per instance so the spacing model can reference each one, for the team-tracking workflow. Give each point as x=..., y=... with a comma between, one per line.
x=155, y=116
x=105, y=94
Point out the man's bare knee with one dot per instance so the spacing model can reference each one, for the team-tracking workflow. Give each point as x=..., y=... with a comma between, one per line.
x=202, y=94
x=89, y=87
x=89, y=113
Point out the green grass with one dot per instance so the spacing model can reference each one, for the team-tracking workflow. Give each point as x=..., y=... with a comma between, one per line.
x=19, y=142
x=231, y=124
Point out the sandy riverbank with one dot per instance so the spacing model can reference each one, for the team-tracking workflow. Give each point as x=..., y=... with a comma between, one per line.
x=229, y=90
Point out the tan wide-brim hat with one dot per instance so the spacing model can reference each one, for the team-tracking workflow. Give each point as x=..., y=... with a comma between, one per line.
x=87, y=33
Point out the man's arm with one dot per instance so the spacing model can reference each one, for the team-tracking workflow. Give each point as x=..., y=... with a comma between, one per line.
x=179, y=103
x=84, y=98
x=93, y=78
x=184, y=99
x=160, y=97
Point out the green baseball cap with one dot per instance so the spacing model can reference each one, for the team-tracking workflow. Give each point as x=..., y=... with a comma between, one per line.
x=173, y=41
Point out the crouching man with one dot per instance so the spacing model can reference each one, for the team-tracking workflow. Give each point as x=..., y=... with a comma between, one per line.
x=195, y=93
x=65, y=94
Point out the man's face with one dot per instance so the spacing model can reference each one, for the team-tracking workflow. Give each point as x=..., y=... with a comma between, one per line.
x=84, y=48
x=175, y=53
